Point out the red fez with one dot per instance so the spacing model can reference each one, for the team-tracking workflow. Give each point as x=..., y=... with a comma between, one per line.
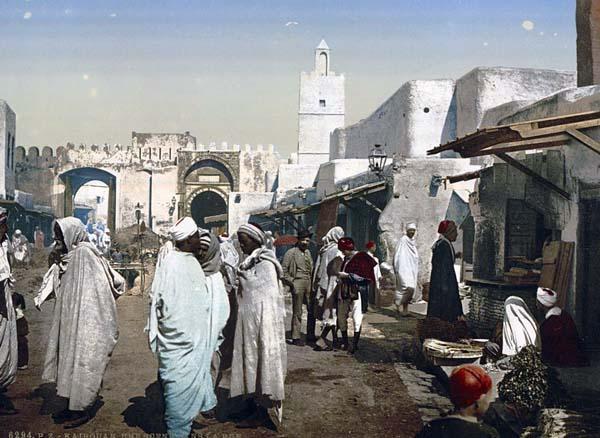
x=445, y=226
x=467, y=384
x=346, y=244
x=370, y=244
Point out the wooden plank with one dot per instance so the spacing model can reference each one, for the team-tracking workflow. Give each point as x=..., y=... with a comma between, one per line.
x=463, y=177
x=537, y=177
x=585, y=140
x=516, y=146
x=527, y=132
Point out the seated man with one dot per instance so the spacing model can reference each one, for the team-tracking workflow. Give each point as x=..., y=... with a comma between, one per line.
x=519, y=329
x=560, y=340
x=471, y=393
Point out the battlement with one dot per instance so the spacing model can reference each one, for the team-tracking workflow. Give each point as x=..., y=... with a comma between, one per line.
x=225, y=147
x=159, y=150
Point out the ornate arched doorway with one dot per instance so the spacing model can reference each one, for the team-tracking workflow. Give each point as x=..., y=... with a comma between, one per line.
x=205, y=181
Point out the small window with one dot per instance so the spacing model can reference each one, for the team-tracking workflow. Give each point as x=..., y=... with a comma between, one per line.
x=322, y=103
x=426, y=110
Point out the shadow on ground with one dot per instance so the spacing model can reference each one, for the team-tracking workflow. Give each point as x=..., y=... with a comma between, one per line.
x=147, y=412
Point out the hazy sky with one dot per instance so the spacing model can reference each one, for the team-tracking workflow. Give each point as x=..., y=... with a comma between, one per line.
x=93, y=71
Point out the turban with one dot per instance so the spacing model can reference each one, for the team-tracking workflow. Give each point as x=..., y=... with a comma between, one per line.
x=467, y=384
x=205, y=238
x=254, y=232
x=547, y=297
x=17, y=232
x=446, y=226
x=184, y=228
x=370, y=244
x=411, y=226
x=346, y=244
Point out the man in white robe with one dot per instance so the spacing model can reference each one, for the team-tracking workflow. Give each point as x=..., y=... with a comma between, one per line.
x=406, y=265
x=21, y=249
x=8, y=322
x=184, y=340
x=259, y=355
x=84, y=328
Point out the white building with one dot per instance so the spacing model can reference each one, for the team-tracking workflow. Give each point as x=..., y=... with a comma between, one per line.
x=8, y=129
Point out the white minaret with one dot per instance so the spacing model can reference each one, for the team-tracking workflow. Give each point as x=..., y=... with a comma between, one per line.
x=321, y=108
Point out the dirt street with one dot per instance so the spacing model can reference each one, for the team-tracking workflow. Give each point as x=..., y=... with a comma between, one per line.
x=327, y=393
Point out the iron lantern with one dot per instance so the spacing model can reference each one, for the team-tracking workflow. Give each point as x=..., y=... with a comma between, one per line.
x=377, y=159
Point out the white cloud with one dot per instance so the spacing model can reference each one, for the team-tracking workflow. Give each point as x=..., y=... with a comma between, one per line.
x=27, y=15
x=291, y=23
x=485, y=44
x=542, y=33
x=528, y=25
x=93, y=92
x=86, y=77
x=555, y=34
x=113, y=15
x=68, y=11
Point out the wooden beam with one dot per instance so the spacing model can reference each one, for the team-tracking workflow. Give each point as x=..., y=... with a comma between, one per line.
x=525, y=145
x=370, y=204
x=536, y=176
x=527, y=132
x=463, y=177
x=586, y=140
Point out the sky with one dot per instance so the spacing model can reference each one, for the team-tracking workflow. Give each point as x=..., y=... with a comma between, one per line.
x=94, y=71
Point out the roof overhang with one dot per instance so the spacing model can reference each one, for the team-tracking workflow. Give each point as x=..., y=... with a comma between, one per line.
x=523, y=136
x=534, y=134
x=345, y=195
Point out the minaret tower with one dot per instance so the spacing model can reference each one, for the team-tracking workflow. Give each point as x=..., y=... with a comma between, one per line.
x=321, y=108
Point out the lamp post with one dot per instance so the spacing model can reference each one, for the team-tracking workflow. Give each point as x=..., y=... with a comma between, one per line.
x=149, y=172
x=138, y=217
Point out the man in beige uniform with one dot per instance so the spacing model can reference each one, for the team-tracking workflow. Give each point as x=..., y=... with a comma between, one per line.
x=297, y=271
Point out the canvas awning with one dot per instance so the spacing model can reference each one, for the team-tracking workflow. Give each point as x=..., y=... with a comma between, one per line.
x=523, y=136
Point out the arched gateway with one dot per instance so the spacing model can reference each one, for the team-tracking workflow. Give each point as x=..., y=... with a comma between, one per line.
x=205, y=181
x=74, y=179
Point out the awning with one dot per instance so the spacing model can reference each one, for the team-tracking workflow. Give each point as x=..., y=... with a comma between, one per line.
x=534, y=134
x=530, y=135
x=345, y=195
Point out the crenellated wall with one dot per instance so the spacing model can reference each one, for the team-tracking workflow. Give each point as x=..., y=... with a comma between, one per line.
x=42, y=172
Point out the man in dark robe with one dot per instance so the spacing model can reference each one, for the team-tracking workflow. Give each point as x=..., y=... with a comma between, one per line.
x=444, y=300
x=560, y=341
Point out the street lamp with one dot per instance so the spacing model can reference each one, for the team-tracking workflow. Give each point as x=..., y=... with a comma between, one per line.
x=377, y=159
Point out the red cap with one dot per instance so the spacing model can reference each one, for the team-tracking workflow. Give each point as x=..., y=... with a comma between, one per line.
x=467, y=384
x=370, y=244
x=445, y=226
x=346, y=244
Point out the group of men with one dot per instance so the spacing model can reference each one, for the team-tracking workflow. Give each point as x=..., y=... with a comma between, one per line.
x=99, y=235
x=334, y=288
x=210, y=315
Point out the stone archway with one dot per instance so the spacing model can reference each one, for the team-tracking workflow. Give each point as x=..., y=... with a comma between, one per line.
x=201, y=171
x=205, y=202
x=74, y=179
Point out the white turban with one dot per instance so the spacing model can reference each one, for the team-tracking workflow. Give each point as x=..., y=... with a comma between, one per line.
x=184, y=228
x=254, y=233
x=411, y=226
x=547, y=297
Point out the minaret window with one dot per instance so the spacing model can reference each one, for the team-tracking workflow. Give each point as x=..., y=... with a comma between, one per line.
x=322, y=103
